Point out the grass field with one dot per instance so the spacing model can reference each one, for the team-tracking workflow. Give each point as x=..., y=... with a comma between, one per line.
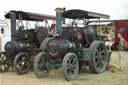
x=55, y=77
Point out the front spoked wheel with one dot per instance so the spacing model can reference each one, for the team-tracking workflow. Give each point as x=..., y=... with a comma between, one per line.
x=40, y=68
x=22, y=63
x=70, y=66
x=4, y=62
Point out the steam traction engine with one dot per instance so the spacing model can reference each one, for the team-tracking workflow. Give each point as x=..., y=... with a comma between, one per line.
x=72, y=47
x=20, y=52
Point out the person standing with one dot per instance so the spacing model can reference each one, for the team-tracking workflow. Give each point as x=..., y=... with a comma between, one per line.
x=121, y=52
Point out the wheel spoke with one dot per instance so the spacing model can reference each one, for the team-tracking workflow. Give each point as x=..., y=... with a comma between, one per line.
x=97, y=53
x=99, y=64
x=73, y=62
x=96, y=57
x=74, y=66
x=102, y=52
x=68, y=66
x=97, y=67
x=2, y=67
x=99, y=57
x=70, y=60
x=70, y=73
x=2, y=57
x=96, y=63
x=102, y=62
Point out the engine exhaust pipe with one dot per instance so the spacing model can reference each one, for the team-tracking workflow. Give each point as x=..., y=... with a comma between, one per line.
x=58, y=20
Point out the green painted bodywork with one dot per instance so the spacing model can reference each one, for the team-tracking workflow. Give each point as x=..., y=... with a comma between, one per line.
x=53, y=65
x=82, y=54
x=81, y=40
x=33, y=58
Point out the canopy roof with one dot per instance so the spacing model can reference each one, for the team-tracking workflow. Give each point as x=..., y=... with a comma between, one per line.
x=80, y=14
x=30, y=16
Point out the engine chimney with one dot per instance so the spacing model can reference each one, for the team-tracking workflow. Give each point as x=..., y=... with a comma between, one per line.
x=13, y=25
x=58, y=20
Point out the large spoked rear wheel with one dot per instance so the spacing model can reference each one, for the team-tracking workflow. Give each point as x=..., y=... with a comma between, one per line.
x=98, y=57
x=4, y=62
x=40, y=68
x=22, y=63
x=70, y=66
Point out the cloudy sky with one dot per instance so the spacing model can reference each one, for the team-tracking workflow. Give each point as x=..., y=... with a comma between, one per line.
x=117, y=9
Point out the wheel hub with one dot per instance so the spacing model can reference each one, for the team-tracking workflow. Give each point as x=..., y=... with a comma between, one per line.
x=23, y=63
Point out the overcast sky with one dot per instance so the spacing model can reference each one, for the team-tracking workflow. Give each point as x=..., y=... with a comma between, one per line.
x=117, y=9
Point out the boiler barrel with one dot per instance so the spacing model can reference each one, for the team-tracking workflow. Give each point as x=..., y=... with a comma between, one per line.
x=59, y=47
x=15, y=47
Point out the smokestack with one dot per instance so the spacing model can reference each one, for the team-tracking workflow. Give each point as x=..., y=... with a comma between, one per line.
x=58, y=20
x=13, y=25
